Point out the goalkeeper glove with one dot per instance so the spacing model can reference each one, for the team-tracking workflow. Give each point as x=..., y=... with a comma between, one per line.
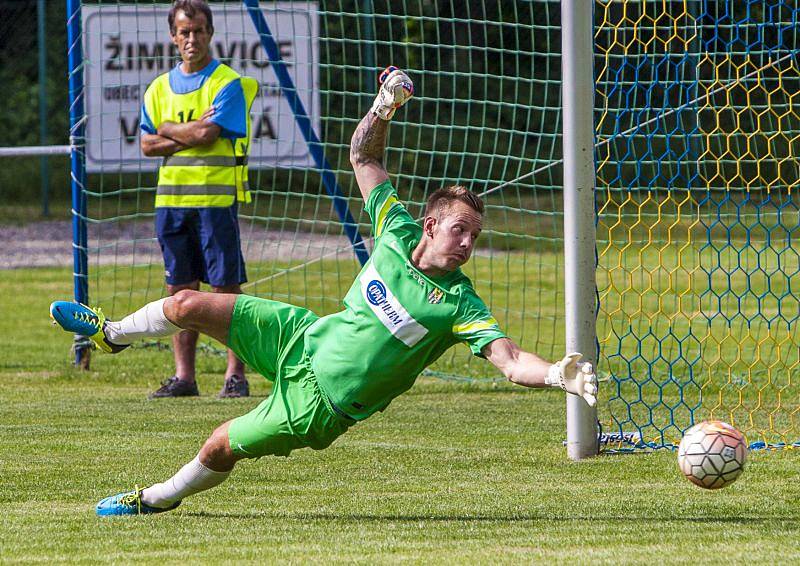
x=396, y=89
x=575, y=378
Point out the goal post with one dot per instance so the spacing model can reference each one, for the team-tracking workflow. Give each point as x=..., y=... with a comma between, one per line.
x=77, y=136
x=580, y=291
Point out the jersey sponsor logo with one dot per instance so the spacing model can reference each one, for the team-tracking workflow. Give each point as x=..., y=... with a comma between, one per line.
x=387, y=308
x=376, y=292
x=376, y=295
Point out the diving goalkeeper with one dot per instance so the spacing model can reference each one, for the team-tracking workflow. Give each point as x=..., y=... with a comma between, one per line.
x=408, y=305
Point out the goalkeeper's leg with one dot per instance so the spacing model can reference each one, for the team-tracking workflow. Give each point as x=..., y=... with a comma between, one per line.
x=209, y=313
x=211, y=467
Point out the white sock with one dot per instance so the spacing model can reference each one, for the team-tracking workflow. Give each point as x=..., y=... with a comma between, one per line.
x=148, y=322
x=193, y=478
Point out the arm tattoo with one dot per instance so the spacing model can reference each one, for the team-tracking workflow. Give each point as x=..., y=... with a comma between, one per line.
x=369, y=140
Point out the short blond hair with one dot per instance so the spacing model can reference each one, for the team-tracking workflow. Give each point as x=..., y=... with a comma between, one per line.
x=442, y=199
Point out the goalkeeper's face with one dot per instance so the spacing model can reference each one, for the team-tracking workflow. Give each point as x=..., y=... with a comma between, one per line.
x=192, y=36
x=452, y=235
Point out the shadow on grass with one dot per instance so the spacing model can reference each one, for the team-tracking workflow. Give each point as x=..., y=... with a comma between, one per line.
x=366, y=517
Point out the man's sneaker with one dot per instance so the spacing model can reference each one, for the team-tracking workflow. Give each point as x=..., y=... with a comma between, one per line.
x=175, y=387
x=86, y=321
x=235, y=386
x=128, y=503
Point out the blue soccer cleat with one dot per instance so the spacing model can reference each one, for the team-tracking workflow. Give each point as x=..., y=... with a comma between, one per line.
x=128, y=503
x=89, y=322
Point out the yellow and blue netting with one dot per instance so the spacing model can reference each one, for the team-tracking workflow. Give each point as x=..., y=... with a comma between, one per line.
x=698, y=134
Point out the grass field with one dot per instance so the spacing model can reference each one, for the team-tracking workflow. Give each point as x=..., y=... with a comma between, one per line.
x=450, y=473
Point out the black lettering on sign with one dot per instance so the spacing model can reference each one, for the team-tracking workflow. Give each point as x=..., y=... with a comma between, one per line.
x=267, y=90
x=132, y=56
x=225, y=55
x=241, y=54
x=151, y=60
x=243, y=61
x=129, y=57
x=258, y=55
x=264, y=127
x=137, y=56
x=285, y=48
x=124, y=92
x=114, y=45
x=129, y=131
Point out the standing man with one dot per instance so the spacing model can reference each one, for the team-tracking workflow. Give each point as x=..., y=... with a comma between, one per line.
x=196, y=117
x=409, y=304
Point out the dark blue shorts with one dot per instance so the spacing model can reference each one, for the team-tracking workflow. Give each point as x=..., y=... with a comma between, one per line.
x=201, y=244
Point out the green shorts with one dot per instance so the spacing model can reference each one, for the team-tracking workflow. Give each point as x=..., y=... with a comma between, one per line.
x=269, y=337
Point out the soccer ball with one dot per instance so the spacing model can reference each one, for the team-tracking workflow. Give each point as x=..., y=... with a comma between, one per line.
x=712, y=454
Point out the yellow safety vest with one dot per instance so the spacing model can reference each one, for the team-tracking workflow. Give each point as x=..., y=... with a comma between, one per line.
x=209, y=175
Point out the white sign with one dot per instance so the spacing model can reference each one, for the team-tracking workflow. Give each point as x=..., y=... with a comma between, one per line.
x=127, y=46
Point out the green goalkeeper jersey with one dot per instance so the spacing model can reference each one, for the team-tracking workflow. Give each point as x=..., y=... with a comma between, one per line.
x=396, y=321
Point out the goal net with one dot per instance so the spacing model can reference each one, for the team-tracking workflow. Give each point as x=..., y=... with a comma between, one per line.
x=485, y=115
x=698, y=130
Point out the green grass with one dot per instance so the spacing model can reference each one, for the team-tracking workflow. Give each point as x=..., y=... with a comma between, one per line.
x=450, y=473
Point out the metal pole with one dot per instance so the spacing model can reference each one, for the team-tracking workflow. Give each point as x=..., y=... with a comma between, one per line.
x=579, y=218
x=77, y=135
x=33, y=150
x=44, y=166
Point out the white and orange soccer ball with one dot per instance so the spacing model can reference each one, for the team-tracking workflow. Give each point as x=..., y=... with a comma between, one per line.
x=712, y=454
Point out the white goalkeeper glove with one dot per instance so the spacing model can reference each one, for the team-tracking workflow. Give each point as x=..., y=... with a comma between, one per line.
x=573, y=377
x=396, y=89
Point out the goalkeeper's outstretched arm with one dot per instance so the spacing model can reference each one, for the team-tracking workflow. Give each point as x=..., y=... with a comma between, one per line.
x=368, y=143
x=525, y=368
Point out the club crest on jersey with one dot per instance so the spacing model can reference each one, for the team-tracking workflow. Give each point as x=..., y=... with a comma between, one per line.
x=435, y=297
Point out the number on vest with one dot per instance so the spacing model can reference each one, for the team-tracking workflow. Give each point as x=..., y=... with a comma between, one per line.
x=183, y=119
